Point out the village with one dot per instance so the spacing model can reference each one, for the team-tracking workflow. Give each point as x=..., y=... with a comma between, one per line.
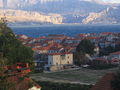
x=57, y=60
x=56, y=52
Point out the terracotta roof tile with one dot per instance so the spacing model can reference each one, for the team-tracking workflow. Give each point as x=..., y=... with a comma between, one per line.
x=116, y=53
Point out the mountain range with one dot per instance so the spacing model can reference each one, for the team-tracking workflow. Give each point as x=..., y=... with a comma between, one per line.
x=27, y=17
x=53, y=6
x=59, y=11
x=110, y=15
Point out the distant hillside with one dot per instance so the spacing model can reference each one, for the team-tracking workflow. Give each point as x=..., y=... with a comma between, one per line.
x=53, y=6
x=109, y=16
x=30, y=12
x=20, y=16
x=63, y=11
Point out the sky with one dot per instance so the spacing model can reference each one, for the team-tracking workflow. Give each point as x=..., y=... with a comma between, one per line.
x=112, y=1
x=105, y=1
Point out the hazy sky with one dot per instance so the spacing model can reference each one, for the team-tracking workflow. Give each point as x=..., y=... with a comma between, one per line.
x=112, y=1
x=106, y=1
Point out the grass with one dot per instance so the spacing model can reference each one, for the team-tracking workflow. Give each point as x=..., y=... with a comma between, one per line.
x=81, y=76
x=62, y=86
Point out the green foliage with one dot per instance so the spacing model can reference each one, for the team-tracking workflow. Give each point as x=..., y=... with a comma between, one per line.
x=11, y=52
x=4, y=84
x=85, y=46
x=11, y=48
x=102, y=67
x=3, y=61
x=107, y=51
x=116, y=82
x=79, y=58
x=62, y=86
x=30, y=84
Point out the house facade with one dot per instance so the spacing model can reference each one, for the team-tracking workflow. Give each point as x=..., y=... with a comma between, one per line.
x=54, y=61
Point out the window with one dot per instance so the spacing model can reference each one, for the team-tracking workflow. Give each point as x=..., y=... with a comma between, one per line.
x=68, y=62
x=63, y=57
x=68, y=57
x=56, y=63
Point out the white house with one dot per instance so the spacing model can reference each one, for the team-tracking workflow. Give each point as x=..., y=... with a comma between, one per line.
x=54, y=61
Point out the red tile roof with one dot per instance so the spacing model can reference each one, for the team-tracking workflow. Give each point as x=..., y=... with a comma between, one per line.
x=106, y=33
x=40, y=48
x=40, y=38
x=90, y=38
x=81, y=35
x=52, y=46
x=101, y=59
x=21, y=84
x=60, y=53
x=56, y=35
x=116, y=53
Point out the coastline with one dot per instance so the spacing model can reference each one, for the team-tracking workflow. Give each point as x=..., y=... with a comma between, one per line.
x=51, y=25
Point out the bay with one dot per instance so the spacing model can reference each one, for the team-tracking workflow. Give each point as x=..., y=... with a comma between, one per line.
x=69, y=30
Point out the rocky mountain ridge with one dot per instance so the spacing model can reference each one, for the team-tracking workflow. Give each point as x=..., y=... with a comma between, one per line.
x=110, y=15
x=58, y=12
x=53, y=6
x=15, y=16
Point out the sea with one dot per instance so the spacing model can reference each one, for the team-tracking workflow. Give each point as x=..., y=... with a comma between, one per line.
x=69, y=30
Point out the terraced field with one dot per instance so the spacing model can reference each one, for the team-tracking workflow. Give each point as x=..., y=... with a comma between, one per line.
x=80, y=76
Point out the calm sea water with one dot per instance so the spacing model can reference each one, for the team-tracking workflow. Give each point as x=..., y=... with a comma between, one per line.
x=69, y=30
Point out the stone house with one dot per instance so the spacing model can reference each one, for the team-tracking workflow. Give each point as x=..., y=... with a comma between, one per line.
x=54, y=61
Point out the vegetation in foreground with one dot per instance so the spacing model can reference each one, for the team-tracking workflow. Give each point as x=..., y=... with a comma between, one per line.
x=11, y=52
x=62, y=86
x=102, y=67
x=87, y=76
x=116, y=81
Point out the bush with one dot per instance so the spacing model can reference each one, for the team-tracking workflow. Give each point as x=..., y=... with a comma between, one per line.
x=115, y=83
x=101, y=67
x=62, y=86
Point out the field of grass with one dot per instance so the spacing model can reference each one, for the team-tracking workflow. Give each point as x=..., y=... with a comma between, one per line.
x=80, y=76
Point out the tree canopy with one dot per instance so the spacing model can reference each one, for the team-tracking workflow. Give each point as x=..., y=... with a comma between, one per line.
x=116, y=81
x=11, y=48
x=86, y=47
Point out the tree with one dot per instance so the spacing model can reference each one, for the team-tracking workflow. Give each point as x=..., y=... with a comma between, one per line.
x=116, y=81
x=83, y=48
x=11, y=52
x=4, y=84
x=107, y=50
x=86, y=47
x=117, y=47
x=11, y=48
